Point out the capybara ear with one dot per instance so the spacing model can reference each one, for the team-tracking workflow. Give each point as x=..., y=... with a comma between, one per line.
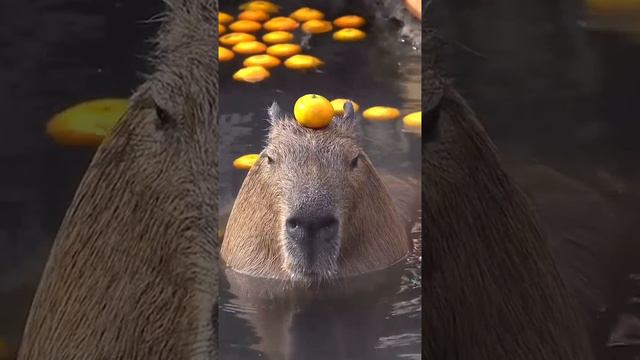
x=275, y=113
x=348, y=120
x=349, y=112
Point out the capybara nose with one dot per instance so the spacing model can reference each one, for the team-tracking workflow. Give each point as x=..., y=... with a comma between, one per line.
x=304, y=228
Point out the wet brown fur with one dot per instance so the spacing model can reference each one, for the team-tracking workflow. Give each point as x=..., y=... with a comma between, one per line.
x=373, y=236
x=132, y=273
x=492, y=289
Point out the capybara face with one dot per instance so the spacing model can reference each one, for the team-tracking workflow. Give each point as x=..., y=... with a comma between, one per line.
x=313, y=207
x=314, y=175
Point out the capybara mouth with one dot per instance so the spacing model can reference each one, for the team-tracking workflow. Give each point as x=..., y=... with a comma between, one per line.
x=304, y=273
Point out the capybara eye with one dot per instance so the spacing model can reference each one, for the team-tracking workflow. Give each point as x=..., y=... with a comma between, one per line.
x=164, y=120
x=354, y=162
x=269, y=159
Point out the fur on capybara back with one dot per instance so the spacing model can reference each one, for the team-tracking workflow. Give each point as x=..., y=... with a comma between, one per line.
x=319, y=173
x=492, y=289
x=132, y=273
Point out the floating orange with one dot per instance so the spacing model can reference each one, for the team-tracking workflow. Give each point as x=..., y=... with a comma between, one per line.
x=86, y=124
x=251, y=74
x=317, y=26
x=245, y=26
x=284, y=50
x=249, y=47
x=306, y=13
x=254, y=15
x=277, y=37
x=265, y=6
x=234, y=38
x=224, y=18
x=225, y=54
x=245, y=162
x=281, y=23
x=264, y=60
x=338, y=105
x=349, y=21
x=302, y=62
x=381, y=113
x=349, y=35
x=413, y=120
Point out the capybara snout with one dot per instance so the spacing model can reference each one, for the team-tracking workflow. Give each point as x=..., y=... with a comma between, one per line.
x=304, y=230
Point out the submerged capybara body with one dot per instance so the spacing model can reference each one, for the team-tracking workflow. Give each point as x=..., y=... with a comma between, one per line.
x=492, y=289
x=293, y=322
x=132, y=273
x=313, y=207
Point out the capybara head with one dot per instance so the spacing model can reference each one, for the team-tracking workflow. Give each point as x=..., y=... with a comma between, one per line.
x=313, y=206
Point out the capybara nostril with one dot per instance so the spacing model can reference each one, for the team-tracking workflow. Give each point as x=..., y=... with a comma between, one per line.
x=292, y=224
x=328, y=226
x=305, y=228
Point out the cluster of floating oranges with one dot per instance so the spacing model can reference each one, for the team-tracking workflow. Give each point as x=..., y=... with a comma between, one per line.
x=238, y=36
x=316, y=112
x=87, y=123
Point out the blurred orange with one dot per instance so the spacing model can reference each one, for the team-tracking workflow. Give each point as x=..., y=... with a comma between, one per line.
x=251, y=74
x=284, y=50
x=234, y=38
x=225, y=54
x=254, y=15
x=349, y=21
x=245, y=26
x=306, y=13
x=317, y=26
x=281, y=23
x=86, y=124
x=249, y=47
x=277, y=37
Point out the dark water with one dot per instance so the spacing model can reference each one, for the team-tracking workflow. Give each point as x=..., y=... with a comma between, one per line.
x=548, y=90
x=371, y=317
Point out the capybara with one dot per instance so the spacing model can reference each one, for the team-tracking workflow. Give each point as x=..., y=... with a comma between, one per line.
x=313, y=207
x=132, y=273
x=492, y=288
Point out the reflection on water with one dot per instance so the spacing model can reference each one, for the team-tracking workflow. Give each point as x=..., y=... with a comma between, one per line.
x=374, y=316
